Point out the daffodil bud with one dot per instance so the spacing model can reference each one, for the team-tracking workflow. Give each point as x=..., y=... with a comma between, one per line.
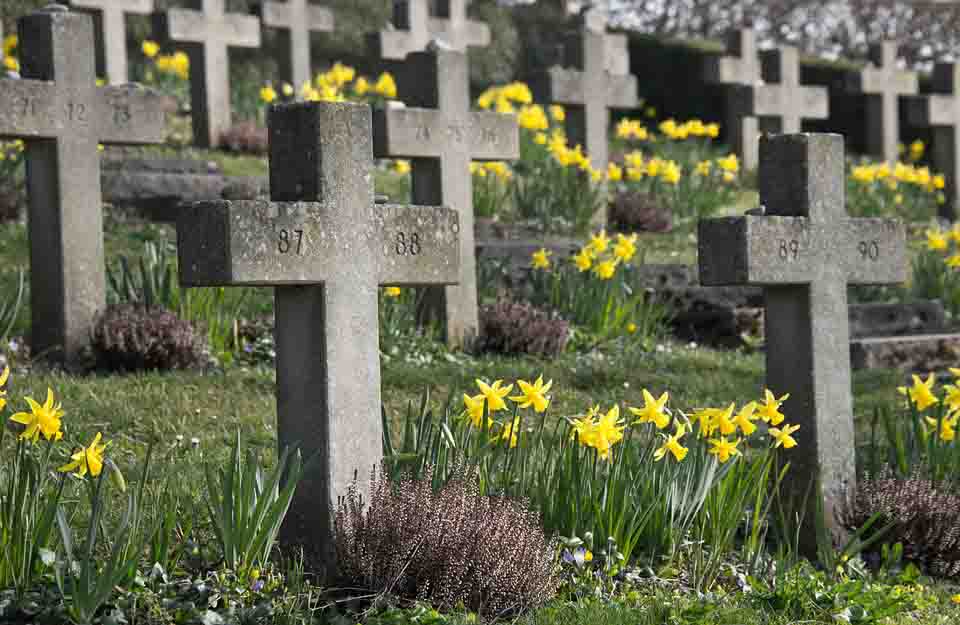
x=116, y=476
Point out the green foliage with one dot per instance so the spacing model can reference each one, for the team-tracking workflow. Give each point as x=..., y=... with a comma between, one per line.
x=933, y=279
x=246, y=505
x=903, y=189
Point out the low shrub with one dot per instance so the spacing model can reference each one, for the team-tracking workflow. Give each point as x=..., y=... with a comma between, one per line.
x=450, y=547
x=130, y=337
x=924, y=517
x=246, y=137
x=636, y=211
x=520, y=328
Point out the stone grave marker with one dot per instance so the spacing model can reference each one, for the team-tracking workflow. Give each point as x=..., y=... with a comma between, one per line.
x=804, y=251
x=113, y=32
x=590, y=91
x=206, y=35
x=325, y=247
x=414, y=28
x=61, y=115
x=297, y=19
x=940, y=111
x=740, y=67
x=883, y=83
x=441, y=135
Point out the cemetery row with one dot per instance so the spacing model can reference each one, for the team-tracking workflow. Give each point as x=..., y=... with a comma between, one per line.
x=326, y=244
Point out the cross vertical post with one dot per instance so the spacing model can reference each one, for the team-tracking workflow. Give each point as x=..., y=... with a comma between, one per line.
x=441, y=135
x=782, y=98
x=940, y=111
x=113, y=39
x=206, y=35
x=61, y=115
x=741, y=67
x=804, y=251
x=882, y=84
x=297, y=19
x=410, y=32
x=325, y=247
x=455, y=29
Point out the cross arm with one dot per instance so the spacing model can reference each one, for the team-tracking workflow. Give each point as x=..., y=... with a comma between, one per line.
x=193, y=26
x=29, y=108
x=872, y=80
x=281, y=14
x=773, y=99
x=426, y=133
x=472, y=34
x=723, y=70
x=565, y=86
x=130, y=114
x=139, y=7
x=931, y=110
x=622, y=92
x=769, y=251
x=263, y=243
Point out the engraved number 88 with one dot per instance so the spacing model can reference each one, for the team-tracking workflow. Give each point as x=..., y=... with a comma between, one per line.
x=408, y=245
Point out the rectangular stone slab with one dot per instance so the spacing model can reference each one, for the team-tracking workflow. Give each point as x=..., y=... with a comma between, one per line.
x=246, y=243
x=567, y=87
x=780, y=250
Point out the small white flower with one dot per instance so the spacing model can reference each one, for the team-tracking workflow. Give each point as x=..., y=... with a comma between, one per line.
x=179, y=438
x=195, y=442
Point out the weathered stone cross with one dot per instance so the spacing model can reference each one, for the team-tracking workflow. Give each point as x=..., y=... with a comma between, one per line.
x=940, y=111
x=206, y=35
x=325, y=246
x=740, y=67
x=298, y=18
x=415, y=28
x=882, y=83
x=782, y=97
x=62, y=115
x=590, y=92
x=113, y=38
x=804, y=251
x=441, y=139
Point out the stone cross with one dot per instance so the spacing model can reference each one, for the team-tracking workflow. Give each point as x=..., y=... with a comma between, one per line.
x=804, y=251
x=62, y=115
x=940, y=111
x=415, y=28
x=590, y=91
x=206, y=34
x=740, y=67
x=882, y=83
x=298, y=18
x=114, y=32
x=441, y=136
x=325, y=247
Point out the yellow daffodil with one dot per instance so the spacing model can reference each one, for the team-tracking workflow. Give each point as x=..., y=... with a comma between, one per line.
x=704, y=168
x=921, y=393
x=745, y=417
x=87, y=459
x=11, y=63
x=392, y=291
x=582, y=427
x=607, y=431
x=533, y=394
x=474, y=408
x=510, y=432
x=729, y=163
x=916, y=149
x=947, y=424
x=606, y=269
x=401, y=166
x=783, y=436
x=10, y=43
x=723, y=419
x=540, y=138
x=583, y=259
x=723, y=449
x=769, y=410
x=951, y=398
x=3, y=383
x=672, y=445
x=557, y=113
x=43, y=419
x=653, y=410
x=533, y=117
x=706, y=419
x=150, y=48
x=599, y=242
x=953, y=261
x=386, y=86
x=614, y=172
x=625, y=247
x=631, y=328
x=268, y=94
x=287, y=90
x=494, y=394
x=541, y=259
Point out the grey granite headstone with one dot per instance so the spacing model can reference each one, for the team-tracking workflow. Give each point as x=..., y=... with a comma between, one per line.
x=590, y=91
x=441, y=136
x=206, y=35
x=114, y=31
x=940, y=111
x=325, y=246
x=883, y=83
x=414, y=28
x=297, y=19
x=62, y=115
x=804, y=251
x=741, y=67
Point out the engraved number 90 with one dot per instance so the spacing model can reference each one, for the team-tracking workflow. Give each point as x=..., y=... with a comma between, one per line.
x=869, y=250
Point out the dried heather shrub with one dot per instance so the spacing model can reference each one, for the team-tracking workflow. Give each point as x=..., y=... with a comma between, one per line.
x=926, y=518
x=130, y=337
x=519, y=328
x=445, y=547
x=246, y=137
x=636, y=211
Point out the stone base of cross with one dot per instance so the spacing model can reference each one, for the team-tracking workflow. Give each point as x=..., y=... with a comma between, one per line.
x=325, y=246
x=804, y=251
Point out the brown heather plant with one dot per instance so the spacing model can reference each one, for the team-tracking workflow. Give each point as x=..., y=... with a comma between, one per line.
x=130, y=337
x=448, y=547
x=520, y=328
x=925, y=517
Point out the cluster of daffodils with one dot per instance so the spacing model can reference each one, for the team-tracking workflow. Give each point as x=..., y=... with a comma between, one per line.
x=11, y=155
x=496, y=170
x=637, y=168
x=9, y=53
x=893, y=178
x=44, y=421
x=634, y=130
x=176, y=64
x=946, y=242
x=921, y=396
x=505, y=98
x=492, y=399
x=338, y=84
x=719, y=426
x=601, y=254
x=727, y=167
